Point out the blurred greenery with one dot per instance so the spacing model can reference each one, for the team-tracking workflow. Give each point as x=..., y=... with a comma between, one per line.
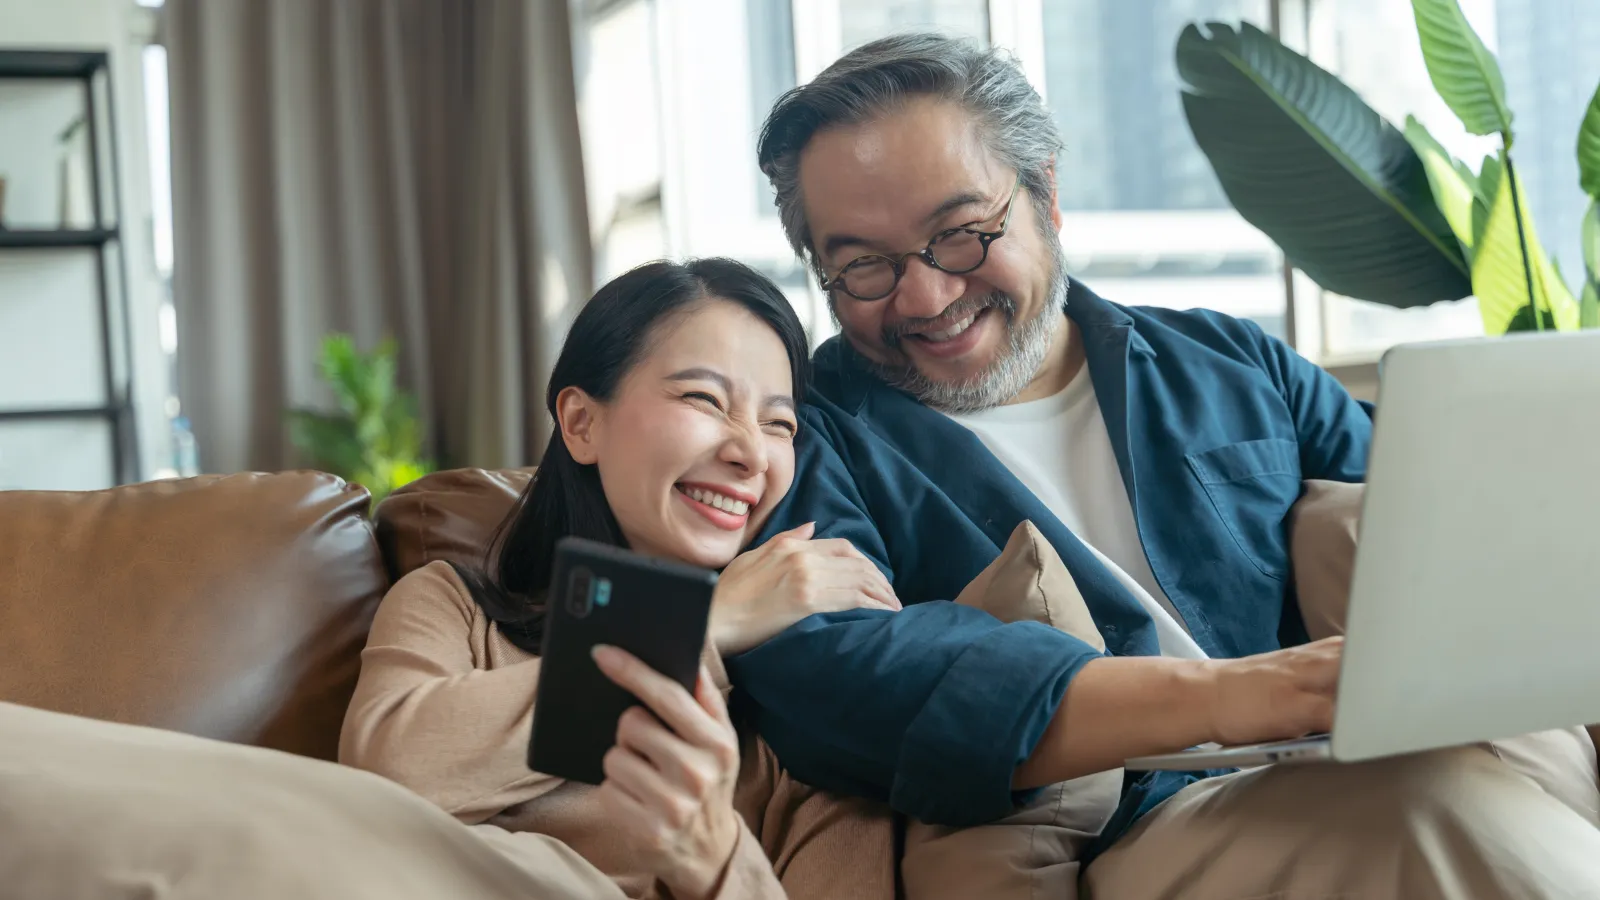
x=374, y=439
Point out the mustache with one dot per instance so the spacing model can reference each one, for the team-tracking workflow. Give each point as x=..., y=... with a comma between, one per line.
x=894, y=334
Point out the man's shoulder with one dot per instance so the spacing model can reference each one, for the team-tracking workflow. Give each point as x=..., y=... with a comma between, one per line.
x=1183, y=329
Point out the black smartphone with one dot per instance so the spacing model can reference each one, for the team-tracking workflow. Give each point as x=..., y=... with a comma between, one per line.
x=599, y=594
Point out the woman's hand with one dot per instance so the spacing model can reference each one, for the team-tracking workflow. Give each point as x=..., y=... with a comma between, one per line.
x=767, y=589
x=669, y=780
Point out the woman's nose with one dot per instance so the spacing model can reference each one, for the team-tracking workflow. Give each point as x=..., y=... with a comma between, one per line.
x=744, y=448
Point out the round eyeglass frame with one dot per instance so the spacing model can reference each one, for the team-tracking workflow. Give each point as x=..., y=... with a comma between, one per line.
x=898, y=263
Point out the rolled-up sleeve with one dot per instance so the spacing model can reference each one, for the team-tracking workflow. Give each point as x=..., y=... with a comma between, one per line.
x=930, y=709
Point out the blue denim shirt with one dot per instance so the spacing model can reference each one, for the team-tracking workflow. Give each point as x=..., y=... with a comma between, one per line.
x=931, y=709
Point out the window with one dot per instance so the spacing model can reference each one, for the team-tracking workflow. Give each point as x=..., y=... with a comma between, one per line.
x=1145, y=221
x=614, y=55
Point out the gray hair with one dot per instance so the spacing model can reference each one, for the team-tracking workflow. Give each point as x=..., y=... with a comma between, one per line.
x=875, y=78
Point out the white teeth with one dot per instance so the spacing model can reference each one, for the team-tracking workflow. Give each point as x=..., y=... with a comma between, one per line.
x=940, y=337
x=718, y=501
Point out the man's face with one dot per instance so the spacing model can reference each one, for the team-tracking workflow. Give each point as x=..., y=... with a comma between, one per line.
x=958, y=342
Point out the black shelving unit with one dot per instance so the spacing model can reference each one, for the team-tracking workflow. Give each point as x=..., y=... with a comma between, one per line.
x=91, y=68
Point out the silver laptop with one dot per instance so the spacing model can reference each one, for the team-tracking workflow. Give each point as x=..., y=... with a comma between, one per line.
x=1475, y=608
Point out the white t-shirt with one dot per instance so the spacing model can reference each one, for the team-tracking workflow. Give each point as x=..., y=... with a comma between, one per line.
x=1059, y=448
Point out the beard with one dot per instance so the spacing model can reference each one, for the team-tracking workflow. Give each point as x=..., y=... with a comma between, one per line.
x=1027, y=344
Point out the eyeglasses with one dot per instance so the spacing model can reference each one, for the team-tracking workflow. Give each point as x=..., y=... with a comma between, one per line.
x=954, y=250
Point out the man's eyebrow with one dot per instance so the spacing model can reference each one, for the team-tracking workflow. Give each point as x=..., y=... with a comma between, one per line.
x=836, y=242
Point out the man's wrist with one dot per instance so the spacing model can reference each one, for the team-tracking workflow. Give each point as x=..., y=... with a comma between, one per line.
x=1196, y=700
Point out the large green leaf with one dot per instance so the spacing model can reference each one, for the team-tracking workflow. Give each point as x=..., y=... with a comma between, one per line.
x=1498, y=277
x=1302, y=158
x=1589, y=306
x=1453, y=185
x=1463, y=70
x=1589, y=147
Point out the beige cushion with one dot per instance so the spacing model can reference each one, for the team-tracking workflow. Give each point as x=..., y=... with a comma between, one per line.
x=1028, y=582
x=101, y=811
x=1034, y=851
x=1322, y=547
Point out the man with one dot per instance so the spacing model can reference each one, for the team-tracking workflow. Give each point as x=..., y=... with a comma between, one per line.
x=976, y=385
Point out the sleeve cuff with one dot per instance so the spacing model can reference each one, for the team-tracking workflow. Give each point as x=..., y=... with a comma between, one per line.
x=748, y=876
x=982, y=721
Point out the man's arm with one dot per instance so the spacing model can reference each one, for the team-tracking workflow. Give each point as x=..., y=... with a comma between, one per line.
x=944, y=711
x=1334, y=429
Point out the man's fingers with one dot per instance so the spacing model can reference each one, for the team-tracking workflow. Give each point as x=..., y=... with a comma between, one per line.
x=663, y=696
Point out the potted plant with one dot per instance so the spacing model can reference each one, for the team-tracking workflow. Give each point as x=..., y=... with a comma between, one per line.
x=374, y=439
x=1376, y=212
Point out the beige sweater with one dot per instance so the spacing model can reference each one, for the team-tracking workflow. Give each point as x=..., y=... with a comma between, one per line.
x=444, y=707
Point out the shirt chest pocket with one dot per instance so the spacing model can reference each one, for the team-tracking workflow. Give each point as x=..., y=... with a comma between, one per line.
x=1252, y=485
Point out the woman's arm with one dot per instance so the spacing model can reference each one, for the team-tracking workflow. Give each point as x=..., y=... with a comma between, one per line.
x=424, y=716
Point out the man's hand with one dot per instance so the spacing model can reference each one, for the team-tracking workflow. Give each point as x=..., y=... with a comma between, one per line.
x=1274, y=696
x=1121, y=707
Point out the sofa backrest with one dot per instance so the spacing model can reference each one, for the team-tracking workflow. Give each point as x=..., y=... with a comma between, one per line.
x=450, y=515
x=229, y=607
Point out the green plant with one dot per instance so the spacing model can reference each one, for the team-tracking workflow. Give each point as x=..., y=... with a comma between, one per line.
x=374, y=439
x=1375, y=212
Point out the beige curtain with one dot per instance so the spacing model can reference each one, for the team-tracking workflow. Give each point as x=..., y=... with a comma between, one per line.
x=405, y=168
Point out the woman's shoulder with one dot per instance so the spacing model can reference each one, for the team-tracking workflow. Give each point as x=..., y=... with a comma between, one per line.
x=436, y=586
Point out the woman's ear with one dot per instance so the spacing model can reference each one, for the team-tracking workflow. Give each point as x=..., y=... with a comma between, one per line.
x=577, y=416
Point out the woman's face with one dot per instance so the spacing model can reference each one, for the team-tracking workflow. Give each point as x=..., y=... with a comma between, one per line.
x=697, y=445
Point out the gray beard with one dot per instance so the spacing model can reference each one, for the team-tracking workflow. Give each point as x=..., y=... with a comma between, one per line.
x=1027, y=346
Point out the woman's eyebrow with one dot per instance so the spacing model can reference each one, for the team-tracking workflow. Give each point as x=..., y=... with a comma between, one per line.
x=700, y=373
x=781, y=400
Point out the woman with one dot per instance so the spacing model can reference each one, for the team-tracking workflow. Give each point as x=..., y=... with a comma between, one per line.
x=674, y=399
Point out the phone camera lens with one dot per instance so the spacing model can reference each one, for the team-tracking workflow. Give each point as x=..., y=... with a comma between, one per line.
x=579, y=603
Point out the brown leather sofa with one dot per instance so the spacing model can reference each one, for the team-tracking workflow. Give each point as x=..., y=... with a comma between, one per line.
x=232, y=607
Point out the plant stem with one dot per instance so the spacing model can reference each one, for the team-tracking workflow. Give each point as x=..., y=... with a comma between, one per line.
x=1522, y=241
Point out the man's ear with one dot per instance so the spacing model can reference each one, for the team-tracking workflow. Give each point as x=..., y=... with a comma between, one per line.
x=1055, y=198
x=577, y=416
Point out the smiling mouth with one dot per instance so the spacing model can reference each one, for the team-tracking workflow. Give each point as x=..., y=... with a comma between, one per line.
x=952, y=332
x=714, y=500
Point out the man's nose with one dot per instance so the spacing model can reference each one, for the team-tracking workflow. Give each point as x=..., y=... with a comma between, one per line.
x=925, y=292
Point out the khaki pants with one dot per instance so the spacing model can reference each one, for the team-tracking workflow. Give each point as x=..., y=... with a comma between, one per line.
x=1512, y=819
x=1471, y=822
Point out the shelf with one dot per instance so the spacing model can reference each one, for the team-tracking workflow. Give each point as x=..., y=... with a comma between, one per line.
x=77, y=412
x=56, y=237
x=50, y=63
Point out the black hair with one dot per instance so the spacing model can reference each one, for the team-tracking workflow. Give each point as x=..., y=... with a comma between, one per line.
x=611, y=334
